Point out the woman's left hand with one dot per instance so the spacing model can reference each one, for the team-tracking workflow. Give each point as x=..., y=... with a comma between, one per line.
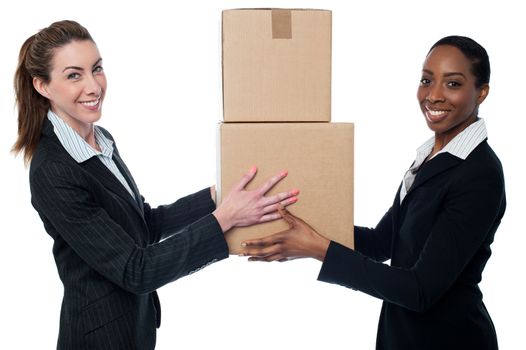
x=299, y=241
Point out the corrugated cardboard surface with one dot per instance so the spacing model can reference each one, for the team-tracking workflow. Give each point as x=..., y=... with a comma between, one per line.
x=276, y=65
x=320, y=161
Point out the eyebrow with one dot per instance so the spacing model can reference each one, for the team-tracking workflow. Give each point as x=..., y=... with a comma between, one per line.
x=446, y=74
x=80, y=68
x=454, y=73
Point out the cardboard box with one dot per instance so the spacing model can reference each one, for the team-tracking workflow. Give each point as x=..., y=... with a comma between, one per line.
x=319, y=158
x=276, y=65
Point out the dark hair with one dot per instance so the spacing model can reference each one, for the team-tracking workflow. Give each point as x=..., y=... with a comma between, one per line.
x=473, y=52
x=34, y=61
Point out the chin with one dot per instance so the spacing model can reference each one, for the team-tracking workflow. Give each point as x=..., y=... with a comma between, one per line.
x=437, y=128
x=91, y=117
x=96, y=118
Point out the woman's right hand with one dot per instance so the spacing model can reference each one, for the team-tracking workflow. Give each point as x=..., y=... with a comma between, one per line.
x=300, y=240
x=244, y=208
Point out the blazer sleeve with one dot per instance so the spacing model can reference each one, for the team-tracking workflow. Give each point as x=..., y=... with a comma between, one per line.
x=375, y=243
x=165, y=220
x=68, y=209
x=471, y=213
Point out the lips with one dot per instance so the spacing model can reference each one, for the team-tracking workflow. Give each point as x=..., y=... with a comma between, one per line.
x=435, y=115
x=91, y=105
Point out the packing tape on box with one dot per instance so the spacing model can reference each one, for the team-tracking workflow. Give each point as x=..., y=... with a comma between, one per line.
x=281, y=24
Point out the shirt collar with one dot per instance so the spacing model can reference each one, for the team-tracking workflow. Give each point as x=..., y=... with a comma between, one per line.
x=461, y=145
x=465, y=142
x=75, y=145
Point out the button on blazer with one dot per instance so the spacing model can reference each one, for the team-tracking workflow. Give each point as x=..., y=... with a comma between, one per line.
x=113, y=251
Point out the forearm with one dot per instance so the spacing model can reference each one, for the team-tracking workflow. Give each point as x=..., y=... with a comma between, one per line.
x=353, y=270
x=192, y=248
x=167, y=219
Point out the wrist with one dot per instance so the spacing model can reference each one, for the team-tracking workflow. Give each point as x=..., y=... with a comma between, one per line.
x=321, y=248
x=224, y=221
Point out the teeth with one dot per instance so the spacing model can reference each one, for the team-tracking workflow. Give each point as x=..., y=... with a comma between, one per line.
x=435, y=113
x=90, y=103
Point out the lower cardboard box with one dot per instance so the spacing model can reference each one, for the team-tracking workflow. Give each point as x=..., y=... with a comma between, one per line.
x=319, y=158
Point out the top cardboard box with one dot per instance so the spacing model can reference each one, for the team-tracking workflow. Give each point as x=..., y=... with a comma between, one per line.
x=276, y=65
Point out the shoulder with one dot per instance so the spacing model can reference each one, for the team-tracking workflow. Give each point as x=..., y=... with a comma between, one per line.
x=51, y=162
x=48, y=150
x=482, y=172
x=484, y=161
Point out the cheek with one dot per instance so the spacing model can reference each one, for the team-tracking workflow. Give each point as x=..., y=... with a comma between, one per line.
x=59, y=93
x=420, y=94
x=101, y=80
x=463, y=100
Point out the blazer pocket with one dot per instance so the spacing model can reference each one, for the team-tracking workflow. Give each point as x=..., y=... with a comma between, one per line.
x=105, y=310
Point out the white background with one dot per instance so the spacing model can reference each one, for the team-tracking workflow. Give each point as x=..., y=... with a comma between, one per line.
x=163, y=103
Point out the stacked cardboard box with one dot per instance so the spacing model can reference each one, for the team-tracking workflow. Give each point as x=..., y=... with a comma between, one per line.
x=277, y=113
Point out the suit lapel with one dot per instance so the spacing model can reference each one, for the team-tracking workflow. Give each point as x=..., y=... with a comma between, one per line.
x=127, y=175
x=434, y=167
x=109, y=181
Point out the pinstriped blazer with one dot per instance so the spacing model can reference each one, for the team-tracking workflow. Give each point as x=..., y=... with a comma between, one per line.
x=113, y=252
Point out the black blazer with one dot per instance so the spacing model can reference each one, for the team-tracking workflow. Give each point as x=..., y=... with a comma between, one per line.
x=438, y=241
x=112, y=252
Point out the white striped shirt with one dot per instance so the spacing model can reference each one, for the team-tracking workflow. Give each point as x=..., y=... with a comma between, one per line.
x=461, y=146
x=81, y=151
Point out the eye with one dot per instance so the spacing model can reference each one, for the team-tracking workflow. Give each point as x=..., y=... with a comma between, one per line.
x=425, y=81
x=98, y=69
x=454, y=84
x=73, y=76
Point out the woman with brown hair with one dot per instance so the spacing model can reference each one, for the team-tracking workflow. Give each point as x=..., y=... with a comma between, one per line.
x=112, y=250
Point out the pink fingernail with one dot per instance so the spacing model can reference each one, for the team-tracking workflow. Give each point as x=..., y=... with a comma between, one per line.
x=284, y=173
x=295, y=192
x=294, y=199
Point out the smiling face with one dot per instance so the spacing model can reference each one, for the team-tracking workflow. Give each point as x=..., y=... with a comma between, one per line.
x=447, y=93
x=77, y=85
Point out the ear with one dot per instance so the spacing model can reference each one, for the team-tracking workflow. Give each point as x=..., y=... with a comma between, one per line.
x=41, y=87
x=484, y=91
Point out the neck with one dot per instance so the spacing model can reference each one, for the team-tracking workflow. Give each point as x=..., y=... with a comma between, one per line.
x=442, y=139
x=85, y=130
x=90, y=138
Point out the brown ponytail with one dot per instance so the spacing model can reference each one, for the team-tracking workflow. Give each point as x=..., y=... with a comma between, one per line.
x=34, y=61
x=32, y=106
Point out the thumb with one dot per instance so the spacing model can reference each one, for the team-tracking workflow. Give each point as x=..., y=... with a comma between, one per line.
x=287, y=216
x=292, y=219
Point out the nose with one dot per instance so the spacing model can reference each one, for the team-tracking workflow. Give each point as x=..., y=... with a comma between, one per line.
x=435, y=94
x=93, y=87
